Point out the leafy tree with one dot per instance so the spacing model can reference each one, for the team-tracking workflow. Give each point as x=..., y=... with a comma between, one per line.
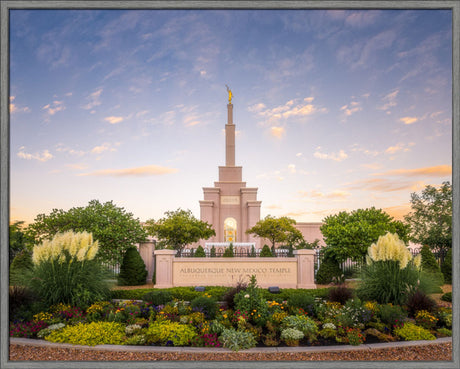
x=178, y=229
x=348, y=235
x=431, y=217
x=429, y=263
x=132, y=269
x=19, y=240
x=114, y=228
x=276, y=230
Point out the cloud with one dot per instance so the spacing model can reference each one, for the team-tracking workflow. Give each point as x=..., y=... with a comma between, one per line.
x=291, y=109
x=292, y=168
x=104, y=147
x=93, y=99
x=77, y=166
x=65, y=149
x=45, y=155
x=399, y=147
x=389, y=100
x=435, y=171
x=277, y=132
x=399, y=211
x=315, y=194
x=351, y=108
x=408, y=120
x=54, y=107
x=113, y=120
x=385, y=185
x=15, y=109
x=148, y=170
x=340, y=156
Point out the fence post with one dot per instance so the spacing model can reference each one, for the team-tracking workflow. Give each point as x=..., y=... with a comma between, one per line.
x=164, y=268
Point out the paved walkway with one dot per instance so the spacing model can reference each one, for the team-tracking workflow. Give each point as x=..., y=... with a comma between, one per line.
x=309, y=349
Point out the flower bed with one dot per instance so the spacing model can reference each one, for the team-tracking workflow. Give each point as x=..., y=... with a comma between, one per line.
x=302, y=318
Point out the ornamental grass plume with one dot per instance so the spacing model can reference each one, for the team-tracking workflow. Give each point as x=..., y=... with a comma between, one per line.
x=389, y=247
x=79, y=246
x=66, y=271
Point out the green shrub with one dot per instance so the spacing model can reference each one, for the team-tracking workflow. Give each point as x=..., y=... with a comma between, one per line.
x=429, y=263
x=213, y=252
x=411, y=332
x=217, y=292
x=132, y=269
x=291, y=336
x=21, y=268
x=164, y=331
x=444, y=332
x=21, y=300
x=158, y=297
x=229, y=296
x=302, y=323
x=96, y=333
x=303, y=301
x=444, y=316
x=266, y=252
x=328, y=270
x=134, y=294
x=65, y=271
x=447, y=297
x=237, y=340
x=228, y=253
x=251, y=301
x=391, y=315
x=208, y=306
x=199, y=253
x=446, y=267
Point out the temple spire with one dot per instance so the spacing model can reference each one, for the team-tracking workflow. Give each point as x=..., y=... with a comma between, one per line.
x=229, y=134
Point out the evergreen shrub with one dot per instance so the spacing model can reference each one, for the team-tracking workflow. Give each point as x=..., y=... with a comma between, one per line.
x=447, y=297
x=199, y=253
x=206, y=305
x=429, y=263
x=213, y=252
x=228, y=253
x=132, y=269
x=21, y=267
x=266, y=252
x=303, y=301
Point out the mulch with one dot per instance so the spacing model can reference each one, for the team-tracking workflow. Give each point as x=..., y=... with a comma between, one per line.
x=433, y=352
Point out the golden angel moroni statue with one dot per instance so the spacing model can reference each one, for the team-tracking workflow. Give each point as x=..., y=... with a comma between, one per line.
x=230, y=95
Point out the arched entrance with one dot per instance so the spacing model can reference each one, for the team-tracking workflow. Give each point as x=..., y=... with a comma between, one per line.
x=230, y=228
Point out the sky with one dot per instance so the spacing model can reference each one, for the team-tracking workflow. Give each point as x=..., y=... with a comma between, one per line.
x=334, y=110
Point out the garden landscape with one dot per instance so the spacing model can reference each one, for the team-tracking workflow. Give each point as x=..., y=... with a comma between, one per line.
x=232, y=186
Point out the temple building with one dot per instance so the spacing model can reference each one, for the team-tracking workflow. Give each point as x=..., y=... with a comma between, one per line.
x=231, y=207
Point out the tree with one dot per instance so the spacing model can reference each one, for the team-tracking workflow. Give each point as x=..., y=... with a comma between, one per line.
x=115, y=229
x=199, y=253
x=431, y=217
x=132, y=269
x=178, y=229
x=19, y=241
x=349, y=235
x=276, y=230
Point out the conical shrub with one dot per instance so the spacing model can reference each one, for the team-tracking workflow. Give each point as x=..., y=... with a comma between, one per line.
x=132, y=269
x=199, y=253
x=446, y=267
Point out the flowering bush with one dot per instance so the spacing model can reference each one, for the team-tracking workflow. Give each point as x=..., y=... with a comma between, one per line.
x=425, y=319
x=328, y=330
x=252, y=301
x=354, y=336
x=98, y=311
x=393, y=316
x=65, y=270
x=95, y=333
x=26, y=329
x=445, y=316
x=206, y=340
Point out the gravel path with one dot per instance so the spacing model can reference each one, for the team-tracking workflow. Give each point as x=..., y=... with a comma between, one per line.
x=430, y=352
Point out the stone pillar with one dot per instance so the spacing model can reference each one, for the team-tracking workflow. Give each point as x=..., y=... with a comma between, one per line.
x=164, y=268
x=305, y=268
x=146, y=250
